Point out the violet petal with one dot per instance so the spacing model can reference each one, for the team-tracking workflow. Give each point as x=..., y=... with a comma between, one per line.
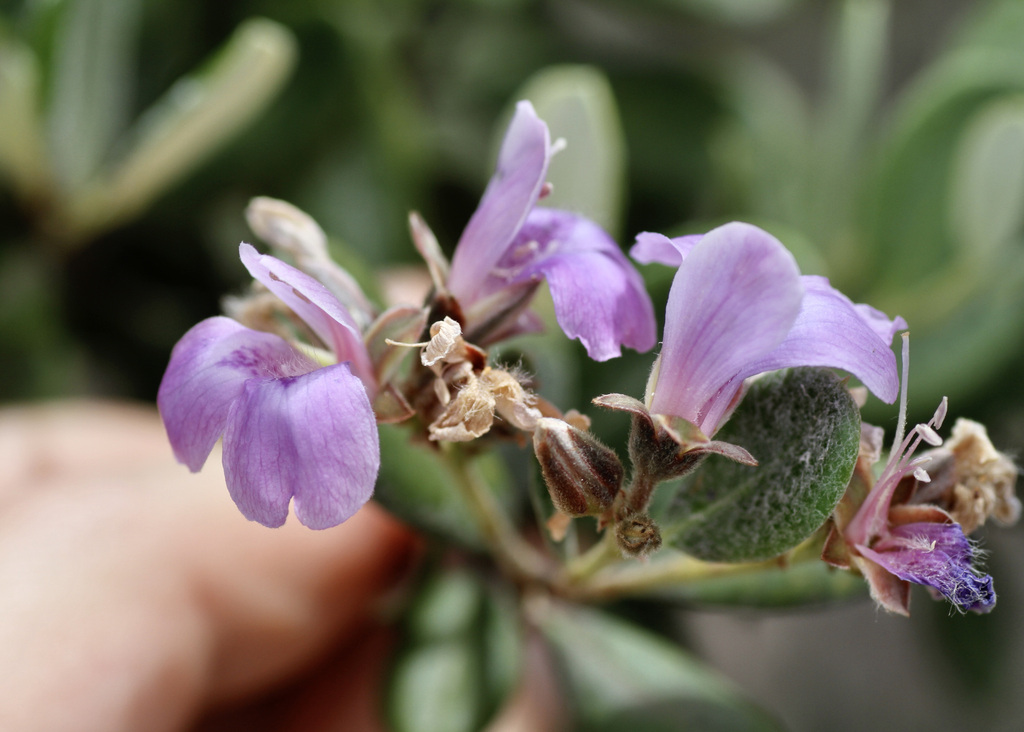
x=732, y=302
x=937, y=556
x=651, y=247
x=312, y=437
x=510, y=195
x=206, y=373
x=831, y=331
x=598, y=296
x=316, y=305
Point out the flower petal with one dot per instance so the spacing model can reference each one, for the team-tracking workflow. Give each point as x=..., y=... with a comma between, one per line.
x=831, y=331
x=937, y=556
x=733, y=301
x=598, y=296
x=311, y=437
x=510, y=195
x=316, y=305
x=206, y=373
x=652, y=247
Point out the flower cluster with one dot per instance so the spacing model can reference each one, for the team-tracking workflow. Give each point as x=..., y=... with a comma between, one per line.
x=299, y=421
x=297, y=381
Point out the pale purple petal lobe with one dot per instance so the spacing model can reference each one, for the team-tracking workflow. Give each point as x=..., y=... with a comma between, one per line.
x=312, y=438
x=831, y=331
x=509, y=197
x=206, y=373
x=316, y=305
x=651, y=248
x=937, y=556
x=732, y=302
x=598, y=296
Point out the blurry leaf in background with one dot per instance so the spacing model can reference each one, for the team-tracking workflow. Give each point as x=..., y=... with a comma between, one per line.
x=91, y=85
x=620, y=677
x=804, y=429
x=192, y=119
x=461, y=657
x=22, y=147
x=588, y=176
x=762, y=154
x=734, y=11
x=948, y=255
x=987, y=180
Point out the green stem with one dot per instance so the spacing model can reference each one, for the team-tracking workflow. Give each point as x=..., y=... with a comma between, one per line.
x=594, y=559
x=638, y=579
x=517, y=557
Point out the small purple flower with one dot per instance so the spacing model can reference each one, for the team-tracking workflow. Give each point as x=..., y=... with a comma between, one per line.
x=938, y=556
x=294, y=430
x=508, y=243
x=739, y=307
x=917, y=543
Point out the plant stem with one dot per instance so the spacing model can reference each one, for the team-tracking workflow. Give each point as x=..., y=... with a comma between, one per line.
x=594, y=559
x=516, y=556
x=640, y=578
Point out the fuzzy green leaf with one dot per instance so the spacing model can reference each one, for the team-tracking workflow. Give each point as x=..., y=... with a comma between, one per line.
x=804, y=429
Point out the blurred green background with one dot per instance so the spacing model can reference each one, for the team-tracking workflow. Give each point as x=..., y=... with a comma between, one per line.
x=882, y=141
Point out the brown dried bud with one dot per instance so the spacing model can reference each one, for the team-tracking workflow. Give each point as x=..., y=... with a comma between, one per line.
x=638, y=535
x=583, y=475
x=971, y=479
x=471, y=413
x=467, y=416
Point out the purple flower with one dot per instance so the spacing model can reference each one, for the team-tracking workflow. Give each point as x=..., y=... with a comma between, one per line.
x=917, y=543
x=509, y=244
x=739, y=307
x=294, y=430
x=936, y=555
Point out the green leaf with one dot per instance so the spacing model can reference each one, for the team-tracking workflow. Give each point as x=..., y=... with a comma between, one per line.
x=195, y=117
x=622, y=677
x=419, y=486
x=461, y=658
x=91, y=86
x=957, y=352
x=987, y=182
x=763, y=150
x=907, y=198
x=804, y=429
x=588, y=176
x=22, y=147
x=740, y=12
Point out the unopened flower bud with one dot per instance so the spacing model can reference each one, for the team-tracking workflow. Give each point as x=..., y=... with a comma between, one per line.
x=583, y=475
x=638, y=535
x=294, y=233
x=662, y=447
